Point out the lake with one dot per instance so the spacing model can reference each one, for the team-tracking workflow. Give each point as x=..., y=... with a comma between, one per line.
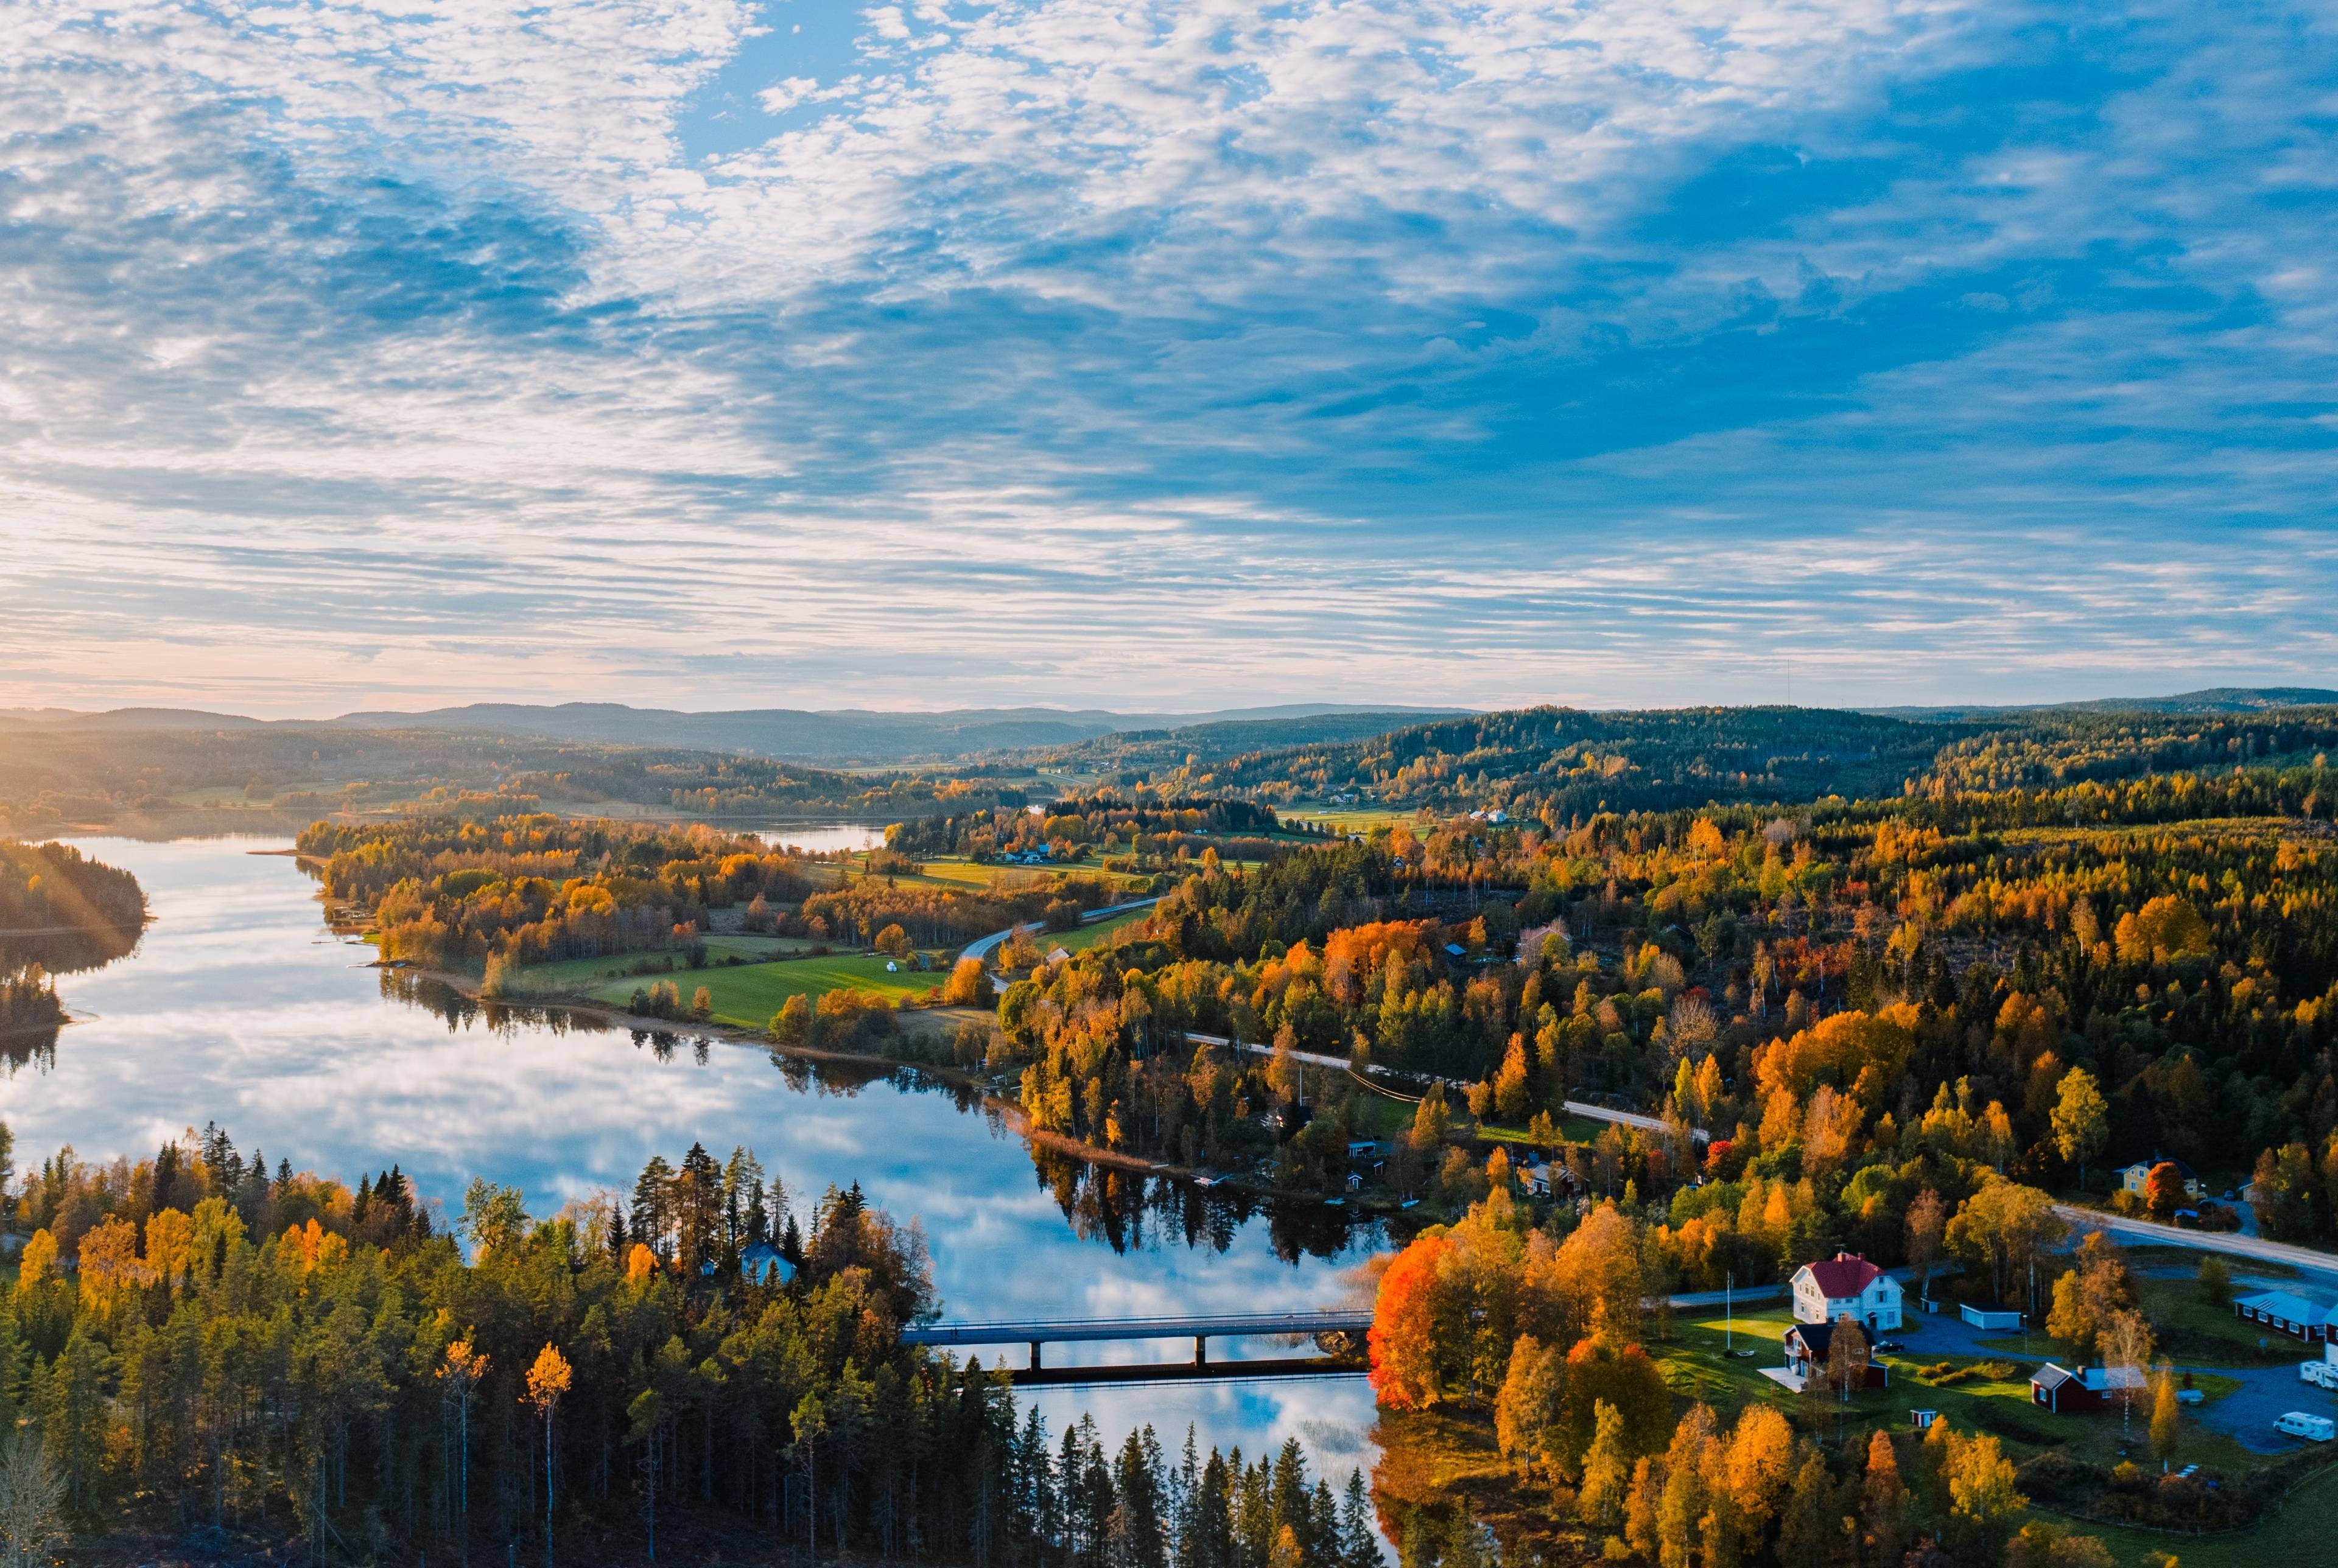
x=240, y=1006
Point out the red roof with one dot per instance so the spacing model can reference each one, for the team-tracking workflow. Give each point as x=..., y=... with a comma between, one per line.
x=1843, y=1275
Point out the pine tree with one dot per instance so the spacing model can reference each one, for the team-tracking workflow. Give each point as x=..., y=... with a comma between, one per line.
x=1359, y=1543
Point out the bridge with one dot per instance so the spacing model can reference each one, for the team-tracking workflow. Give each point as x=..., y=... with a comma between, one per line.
x=1038, y=1332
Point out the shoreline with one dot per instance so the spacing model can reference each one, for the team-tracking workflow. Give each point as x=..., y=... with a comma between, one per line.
x=1009, y=1109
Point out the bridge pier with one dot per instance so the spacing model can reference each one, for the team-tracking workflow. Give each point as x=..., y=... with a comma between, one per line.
x=1034, y=1354
x=1200, y=1351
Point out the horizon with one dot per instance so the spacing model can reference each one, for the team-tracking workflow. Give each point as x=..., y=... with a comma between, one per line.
x=808, y=354
x=1418, y=713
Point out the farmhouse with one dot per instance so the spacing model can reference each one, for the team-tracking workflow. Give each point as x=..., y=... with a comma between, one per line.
x=1846, y=1286
x=2292, y=1314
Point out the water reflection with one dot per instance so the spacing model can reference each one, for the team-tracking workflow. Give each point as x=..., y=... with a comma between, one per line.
x=240, y=1006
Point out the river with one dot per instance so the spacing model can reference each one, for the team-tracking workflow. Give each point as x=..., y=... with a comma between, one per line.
x=240, y=1006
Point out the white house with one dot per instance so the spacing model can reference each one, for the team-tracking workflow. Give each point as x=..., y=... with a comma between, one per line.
x=1846, y=1285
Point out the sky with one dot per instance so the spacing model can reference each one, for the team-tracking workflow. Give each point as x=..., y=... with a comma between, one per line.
x=803, y=354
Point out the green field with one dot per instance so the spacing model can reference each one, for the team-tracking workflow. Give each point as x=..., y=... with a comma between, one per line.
x=747, y=996
x=580, y=974
x=1088, y=937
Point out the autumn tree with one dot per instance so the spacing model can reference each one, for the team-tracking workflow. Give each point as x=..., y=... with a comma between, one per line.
x=1606, y=1471
x=2081, y=1121
x=1883, y=1502
x=1926, y=1222
x=2165, y=1432
x=547, y=1379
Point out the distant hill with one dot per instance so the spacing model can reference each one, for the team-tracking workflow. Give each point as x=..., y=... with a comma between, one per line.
x=2214, y=700
x=830, y=735
x=843, y=735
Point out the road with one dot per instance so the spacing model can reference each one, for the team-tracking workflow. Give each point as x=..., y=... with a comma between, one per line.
x=1632, y=1119
x=2146, y=1232
x=981, y=947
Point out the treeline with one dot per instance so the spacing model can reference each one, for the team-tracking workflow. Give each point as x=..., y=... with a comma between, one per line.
x=84, y=773
x=931, y=916
x=63, y=911
x=2050, y=751
x=1104, y=824
x=444, y=892
x=1559, y=763
x=195, y=1340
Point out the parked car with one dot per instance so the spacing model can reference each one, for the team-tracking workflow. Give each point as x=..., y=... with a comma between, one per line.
x=1882, y=1346
x=2312, y=1428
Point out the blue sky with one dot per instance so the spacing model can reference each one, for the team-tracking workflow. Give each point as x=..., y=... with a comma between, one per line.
x=804, y=354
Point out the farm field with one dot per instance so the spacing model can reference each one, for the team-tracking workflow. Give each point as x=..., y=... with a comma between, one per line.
x=747, y=996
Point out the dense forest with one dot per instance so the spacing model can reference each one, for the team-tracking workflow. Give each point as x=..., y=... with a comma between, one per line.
x=1149, y=830
x=1556, y=764
x=195, y=1343
x=1802, y=986
x=443, y=892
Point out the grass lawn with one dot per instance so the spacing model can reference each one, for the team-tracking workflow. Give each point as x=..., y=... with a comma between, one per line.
x=1572, y=1128
x=583, y=974
x=747, y=996
x=2192, y=1331
x=1694, y=1366
x=1088, y=937
x=1353, y=819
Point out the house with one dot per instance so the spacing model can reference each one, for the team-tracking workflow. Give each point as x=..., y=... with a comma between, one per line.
x=1921, y=1420
x=2068, y=1393
x=1540, y=1175
x=1846, y=1286
x=1807, y=1346
x=2136, y=1177
x=2292, y=1314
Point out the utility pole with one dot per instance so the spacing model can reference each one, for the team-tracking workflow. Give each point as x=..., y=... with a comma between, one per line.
x=1728, y=1313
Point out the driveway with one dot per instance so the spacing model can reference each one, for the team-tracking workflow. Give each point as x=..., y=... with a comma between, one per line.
x=2246, y=1414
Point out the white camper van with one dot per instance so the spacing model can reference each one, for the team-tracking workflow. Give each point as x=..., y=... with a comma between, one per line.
x=2312, y=1428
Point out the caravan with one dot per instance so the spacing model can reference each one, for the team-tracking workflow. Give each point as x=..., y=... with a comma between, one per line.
x=2312, y=1428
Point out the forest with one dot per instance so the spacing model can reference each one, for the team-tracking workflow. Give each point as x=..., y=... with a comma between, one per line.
x=198, y=1346
x=444, y=892
x=60, y=912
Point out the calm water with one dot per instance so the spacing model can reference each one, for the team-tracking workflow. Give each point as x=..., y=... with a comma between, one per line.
x=240, y=1006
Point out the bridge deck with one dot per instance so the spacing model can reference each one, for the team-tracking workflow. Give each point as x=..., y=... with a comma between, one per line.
x=1056, y=1332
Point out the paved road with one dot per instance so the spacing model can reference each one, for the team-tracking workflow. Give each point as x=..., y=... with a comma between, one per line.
x=1632, y=1119
x=2146, y=1232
